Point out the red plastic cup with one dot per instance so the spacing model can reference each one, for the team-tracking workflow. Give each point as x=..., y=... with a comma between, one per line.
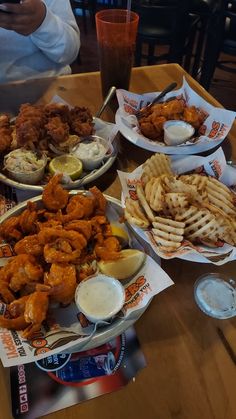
x=116, y=34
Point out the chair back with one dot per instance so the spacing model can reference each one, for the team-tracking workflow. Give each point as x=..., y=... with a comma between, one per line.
x=166, y=21
x=168, y=13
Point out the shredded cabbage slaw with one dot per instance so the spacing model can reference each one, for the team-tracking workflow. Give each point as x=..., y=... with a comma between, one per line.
x=23, y=161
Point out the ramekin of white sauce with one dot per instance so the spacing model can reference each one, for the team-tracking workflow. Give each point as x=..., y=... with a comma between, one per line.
x=177, y=132
x=100, y=297
x=91, y=152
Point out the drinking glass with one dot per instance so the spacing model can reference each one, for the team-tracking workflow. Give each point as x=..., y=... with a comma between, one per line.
x=116, y=34
x=215, y=294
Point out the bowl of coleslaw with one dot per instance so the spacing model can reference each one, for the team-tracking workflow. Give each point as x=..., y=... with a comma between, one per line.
x=25, y=166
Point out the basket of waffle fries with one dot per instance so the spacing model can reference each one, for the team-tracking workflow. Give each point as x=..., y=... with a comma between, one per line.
x=184, y=207
x=180, y=109
x=52, y=244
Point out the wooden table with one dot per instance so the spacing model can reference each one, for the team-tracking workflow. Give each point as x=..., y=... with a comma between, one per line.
x=190, y=371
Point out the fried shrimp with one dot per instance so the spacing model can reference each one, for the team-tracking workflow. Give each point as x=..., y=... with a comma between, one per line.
x=10, y=229
x=109, y=250
x=62, y=245
x=54, y=196
x=82, y=226
x=56, y=247
x=55, y=253
x=79, y=206
x=29, y=245
x=6, y=294
x=101, y=202
x=62, y=280
x=28, y=218
x=20, y=270
x=35, y=312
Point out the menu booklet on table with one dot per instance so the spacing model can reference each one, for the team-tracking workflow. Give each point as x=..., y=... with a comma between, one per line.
x=63, y=380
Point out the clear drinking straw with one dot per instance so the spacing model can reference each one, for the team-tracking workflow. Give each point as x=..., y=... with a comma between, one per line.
x=128, y=10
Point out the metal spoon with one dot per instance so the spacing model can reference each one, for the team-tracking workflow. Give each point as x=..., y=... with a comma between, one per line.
x=107, y=99
x=168, y=89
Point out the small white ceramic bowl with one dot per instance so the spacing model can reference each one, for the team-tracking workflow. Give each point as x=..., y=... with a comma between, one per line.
x=28, y=177
x=177, y=132
x=91, y=151
x=100, y=297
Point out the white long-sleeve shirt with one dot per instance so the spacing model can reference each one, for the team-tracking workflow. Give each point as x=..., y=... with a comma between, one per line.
x=46, y=52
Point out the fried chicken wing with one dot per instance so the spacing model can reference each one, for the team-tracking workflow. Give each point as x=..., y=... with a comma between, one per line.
x=192, y=116
x=152, y=119
x=173, y=107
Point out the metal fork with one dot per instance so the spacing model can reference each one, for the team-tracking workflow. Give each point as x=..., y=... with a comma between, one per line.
x=168, y=89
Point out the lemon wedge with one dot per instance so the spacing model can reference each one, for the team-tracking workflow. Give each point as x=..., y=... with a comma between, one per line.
x=120, y=233
x=128, y=264
x=67, y=164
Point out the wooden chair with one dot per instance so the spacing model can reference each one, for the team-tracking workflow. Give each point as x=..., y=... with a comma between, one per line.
x=86, y=6
x=221, y=38
x=164, y=23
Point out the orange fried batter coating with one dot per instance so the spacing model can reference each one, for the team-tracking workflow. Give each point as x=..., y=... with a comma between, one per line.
x=57, y=129
x=152, y=120
x=54, y=196
x=62, y=280
x=29, y=124
x=56, y=247
x=81, y=121
x=5, y=133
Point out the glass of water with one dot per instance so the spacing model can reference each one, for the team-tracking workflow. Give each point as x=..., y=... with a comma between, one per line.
x=215, y=294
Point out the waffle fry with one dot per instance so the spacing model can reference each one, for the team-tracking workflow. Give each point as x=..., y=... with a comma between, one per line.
x=168, y=234
x=198, y=180
x=154, y=193
x=134, y=214
x=157, y=165
x=200, y=224
x=176, y=203
x=144, y=203
x=220, y=196
x=196, y=207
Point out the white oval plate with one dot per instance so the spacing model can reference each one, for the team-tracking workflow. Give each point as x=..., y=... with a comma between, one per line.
x=157, y=147
x=102, y=128
x=119, y=325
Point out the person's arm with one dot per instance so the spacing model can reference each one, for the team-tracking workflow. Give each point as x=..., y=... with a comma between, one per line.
x=58, y=36
x=50, y=24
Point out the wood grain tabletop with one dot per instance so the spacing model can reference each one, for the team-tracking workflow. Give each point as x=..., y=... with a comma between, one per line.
x=191, y=358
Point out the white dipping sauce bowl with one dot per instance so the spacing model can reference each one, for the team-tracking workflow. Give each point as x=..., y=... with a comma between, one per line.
x=177, y=132
x=87, y=151
x=100, y=297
